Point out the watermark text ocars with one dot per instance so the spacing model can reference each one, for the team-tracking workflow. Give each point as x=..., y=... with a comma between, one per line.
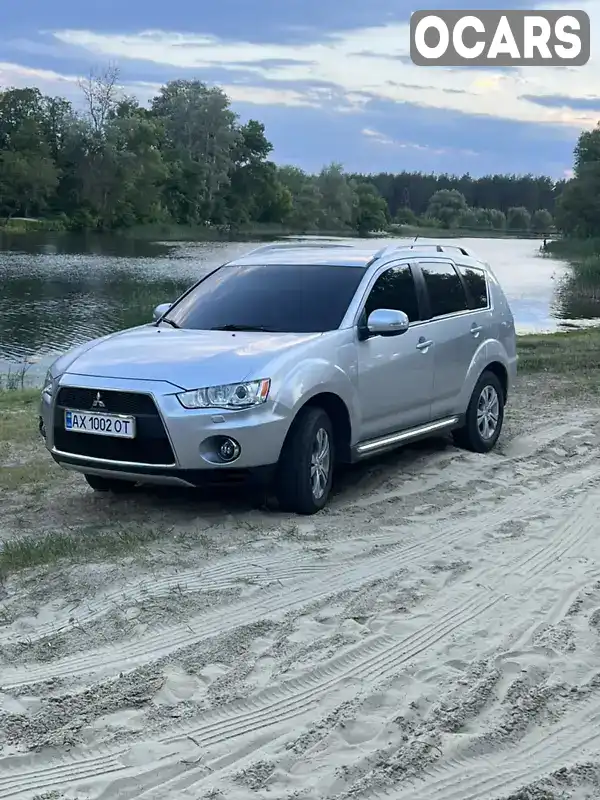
x=499, y=38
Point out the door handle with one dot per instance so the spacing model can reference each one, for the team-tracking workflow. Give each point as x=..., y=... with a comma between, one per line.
x=424, y=344
x=476, y=329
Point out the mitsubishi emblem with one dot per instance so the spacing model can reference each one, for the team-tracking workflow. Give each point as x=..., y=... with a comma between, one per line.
x=98, y=402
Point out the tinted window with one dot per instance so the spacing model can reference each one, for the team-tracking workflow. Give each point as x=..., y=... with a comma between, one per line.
x=476, y=284
x=395, y=289
x=445, y=288
x=282, y=298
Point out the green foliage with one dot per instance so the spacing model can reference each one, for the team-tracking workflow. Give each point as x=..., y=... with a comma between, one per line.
x=447, y=205
x=518, y=219
x=371, y=211
x=187, y=160
x=578, y=207
x=406, y=216
x=541, y=221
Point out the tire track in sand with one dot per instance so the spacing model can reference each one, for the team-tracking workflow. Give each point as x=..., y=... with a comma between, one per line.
x=273, y=709
x=231, y=571
x=575, y=739
x=277, y=602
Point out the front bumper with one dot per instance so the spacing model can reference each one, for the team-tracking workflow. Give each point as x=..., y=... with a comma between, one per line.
x=173, y=444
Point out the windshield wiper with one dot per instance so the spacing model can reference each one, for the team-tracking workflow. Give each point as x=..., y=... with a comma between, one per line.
x=169, y=322
x=242, y=328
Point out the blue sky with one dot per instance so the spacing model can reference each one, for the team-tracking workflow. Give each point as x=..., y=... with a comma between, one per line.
x=331, y=80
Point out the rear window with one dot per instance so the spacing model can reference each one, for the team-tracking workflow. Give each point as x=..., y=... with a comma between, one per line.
x=476, y=285
x=307, y=298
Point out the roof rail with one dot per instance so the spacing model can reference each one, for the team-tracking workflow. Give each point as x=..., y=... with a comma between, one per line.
x=416, y=245
x=294, y=246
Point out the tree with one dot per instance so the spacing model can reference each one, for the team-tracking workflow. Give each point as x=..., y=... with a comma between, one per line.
x=338, y=198
x=254, y=193
x=578, y=211
x=518, y=219
x=497, y=219
x=541, y=221
x=200, y=141
x=587, y=149
x=578, y=207
x=406, y=216
x=370, y=211
x=28, y=173
x=468, y=219
x=446, y=205
x=101, y=94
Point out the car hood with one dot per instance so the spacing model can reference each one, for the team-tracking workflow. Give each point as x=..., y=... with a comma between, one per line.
x=185, y=358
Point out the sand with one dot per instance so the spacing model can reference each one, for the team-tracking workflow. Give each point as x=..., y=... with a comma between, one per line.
x=434, y=635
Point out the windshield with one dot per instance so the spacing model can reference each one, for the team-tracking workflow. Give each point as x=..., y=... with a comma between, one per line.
x=281, y=298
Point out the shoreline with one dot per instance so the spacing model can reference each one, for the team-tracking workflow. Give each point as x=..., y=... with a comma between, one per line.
x=174, y=232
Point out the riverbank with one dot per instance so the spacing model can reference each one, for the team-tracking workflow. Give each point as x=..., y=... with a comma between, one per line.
x=460, y=233
x=230, y=644
x=584, y=257
x=173, y=232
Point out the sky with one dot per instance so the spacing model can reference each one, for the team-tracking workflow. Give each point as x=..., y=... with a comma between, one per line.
x=331, y=79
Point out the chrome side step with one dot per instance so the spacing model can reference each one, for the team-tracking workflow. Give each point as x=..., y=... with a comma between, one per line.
x=393, y=439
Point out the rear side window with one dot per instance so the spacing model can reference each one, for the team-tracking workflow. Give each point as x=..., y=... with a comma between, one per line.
x=476, y=285
x=446, y=291
x=395, y=289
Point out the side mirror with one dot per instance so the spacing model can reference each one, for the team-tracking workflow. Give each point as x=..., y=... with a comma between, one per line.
x=387, y=322
x=161, y=310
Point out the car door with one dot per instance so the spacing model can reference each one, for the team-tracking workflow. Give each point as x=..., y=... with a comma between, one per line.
x=454, y=330
x=395, y=373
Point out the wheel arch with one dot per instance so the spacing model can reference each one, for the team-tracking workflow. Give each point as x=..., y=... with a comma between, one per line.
x=499, y=370
x=339, y=414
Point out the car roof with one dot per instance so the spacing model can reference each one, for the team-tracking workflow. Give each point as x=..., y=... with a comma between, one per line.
x=347, y=254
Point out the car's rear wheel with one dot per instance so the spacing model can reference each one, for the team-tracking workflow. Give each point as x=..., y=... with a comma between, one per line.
x=484, y=417
x=305, y=469
x=101, y=484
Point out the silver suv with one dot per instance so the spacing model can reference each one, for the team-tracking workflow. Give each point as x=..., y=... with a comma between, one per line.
x=283, y=363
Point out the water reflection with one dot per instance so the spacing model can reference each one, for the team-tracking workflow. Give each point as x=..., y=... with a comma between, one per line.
x=59, y=290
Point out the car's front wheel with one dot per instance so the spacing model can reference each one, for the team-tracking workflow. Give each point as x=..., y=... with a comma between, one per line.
x=101, y=484
x=484, y=417
x=305, y=470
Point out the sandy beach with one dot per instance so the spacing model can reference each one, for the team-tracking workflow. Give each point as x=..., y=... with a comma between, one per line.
x=433, y=635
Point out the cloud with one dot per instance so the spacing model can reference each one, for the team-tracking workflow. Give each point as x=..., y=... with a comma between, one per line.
x=371, y=60
x=328, y=80
x=16, y=75
x=561, y=101
x=382, y=139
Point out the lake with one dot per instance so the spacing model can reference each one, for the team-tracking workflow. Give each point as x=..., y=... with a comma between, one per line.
x=59, y=290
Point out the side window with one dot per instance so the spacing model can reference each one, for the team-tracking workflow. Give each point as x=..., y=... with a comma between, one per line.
x=476, y=284
x=445, y=289
x=395, y=289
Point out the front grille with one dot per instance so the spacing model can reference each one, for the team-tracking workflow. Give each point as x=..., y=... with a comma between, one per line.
x=114, y=402
x=150, y=446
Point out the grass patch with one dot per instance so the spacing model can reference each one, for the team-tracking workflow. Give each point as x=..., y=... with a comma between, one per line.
x=19, y=400
x=573, y=249
x=87, y=545
x=40, y=472
x=576, y=353
x=18, y=417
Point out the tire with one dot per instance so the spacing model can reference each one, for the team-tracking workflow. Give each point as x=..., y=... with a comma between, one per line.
x=101, y=484
x=488, y=393
x=310, y=440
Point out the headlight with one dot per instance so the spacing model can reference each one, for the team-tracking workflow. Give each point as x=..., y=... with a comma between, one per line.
x=48, y=384
x=231, y=395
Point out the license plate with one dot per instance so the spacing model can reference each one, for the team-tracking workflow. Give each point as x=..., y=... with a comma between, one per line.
x=115, y=425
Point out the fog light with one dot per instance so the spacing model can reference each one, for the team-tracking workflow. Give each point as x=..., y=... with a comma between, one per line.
x=229, y=449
